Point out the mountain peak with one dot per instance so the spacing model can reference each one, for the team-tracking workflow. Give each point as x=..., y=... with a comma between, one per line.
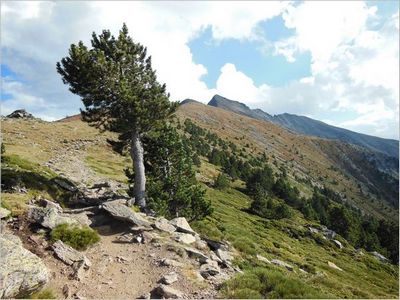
x=311, y=127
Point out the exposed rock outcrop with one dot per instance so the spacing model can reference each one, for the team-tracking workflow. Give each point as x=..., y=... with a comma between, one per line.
x=20, y=114
x=21, y=271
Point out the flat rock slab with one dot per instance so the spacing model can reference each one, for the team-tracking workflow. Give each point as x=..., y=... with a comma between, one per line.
x=184, y=238
x=164, y=225
x=182, y=225
x=333, y=266
x=263, y=259
x=169, y=278
x=49, y=217
x=196, y=254
x=124, y=213
x=21, y=271
x=166, y=292
x=282, y=264
x=68, y=254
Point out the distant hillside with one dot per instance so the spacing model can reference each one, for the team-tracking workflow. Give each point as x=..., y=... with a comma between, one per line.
x=308, y=126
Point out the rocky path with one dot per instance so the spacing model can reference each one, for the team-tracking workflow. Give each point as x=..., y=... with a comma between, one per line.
x=125, y=270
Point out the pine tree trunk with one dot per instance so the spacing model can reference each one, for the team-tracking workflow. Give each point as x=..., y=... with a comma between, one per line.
x=139, y=187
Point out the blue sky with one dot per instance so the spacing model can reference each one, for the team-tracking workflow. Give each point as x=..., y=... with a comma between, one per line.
x=332, y=61
x=249, y=57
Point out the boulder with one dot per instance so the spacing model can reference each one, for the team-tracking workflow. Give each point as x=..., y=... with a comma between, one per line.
x=21, y=271
x=166, y=292
x=215, y=245
x=282, y=264
x=169, y=278
x=50, y=204
x=182, y=225
x=379, y=256
x=184, y=238
x=68, y=254
x=224, y=256
x=20, y=114
x=167, y=262
x=4, y=213
x=65, y=185
x=263, y=259
x=338, y=244
x=207, y=270
x=48, y=217
x=124, y=213
x=313, y=230
x=333, y=266
x=196, y=254
x=164, y=225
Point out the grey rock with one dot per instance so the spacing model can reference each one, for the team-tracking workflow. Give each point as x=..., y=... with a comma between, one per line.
x=201, y=257
x=65, y=185
x=169, y=278
x=68, y=254
x=167, y=262
x=184, y=238
x=50, y=204
x=20, y=114
x=163, y=225
x=4, y=213
x=263, y=259
x=282, y=264
x=333, y=266
x=215, y=245
x=21, y=272
x=49, y=217
x=338, y=244
x=379, y=256
x=124, y=213
x=166, y=292
x=313, y=230
x=201, y=245
x=207, y=270
x=182, y=225
x=225, y=256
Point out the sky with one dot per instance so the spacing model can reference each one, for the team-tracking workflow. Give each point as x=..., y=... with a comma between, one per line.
x=337, y=61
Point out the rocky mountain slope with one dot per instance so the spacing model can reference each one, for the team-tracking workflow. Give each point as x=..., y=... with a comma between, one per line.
x=311, y=127
x=338, y=165
x=67, y=170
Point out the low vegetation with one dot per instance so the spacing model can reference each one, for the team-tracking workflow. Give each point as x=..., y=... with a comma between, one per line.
x=79, y=238
x=261, y=283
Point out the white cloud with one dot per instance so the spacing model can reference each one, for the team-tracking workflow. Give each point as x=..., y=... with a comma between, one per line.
x=352, y=65
x=234, y=84
x=35, y=35
x=354, y=69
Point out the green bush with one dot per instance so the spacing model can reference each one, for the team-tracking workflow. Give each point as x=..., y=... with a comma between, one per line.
x=43, y=294
x=221, y=182
x=266, y=283
x=79, y=238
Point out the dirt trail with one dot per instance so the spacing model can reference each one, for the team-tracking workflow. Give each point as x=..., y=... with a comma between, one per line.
x=125, y=270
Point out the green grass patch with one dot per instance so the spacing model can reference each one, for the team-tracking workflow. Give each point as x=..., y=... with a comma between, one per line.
x=261, y=283
x=46, y=293
x=37, y=179
x=79, y=238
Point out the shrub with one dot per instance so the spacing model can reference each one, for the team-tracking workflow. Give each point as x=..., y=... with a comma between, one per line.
x=221, y=182
x=266, y=283
x=43, y=294
x=79, y=238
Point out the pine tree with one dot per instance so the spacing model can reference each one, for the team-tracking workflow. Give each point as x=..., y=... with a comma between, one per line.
x=172, y=187
x=120, y=92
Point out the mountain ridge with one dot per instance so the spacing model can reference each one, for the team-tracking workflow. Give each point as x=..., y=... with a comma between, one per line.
x=308, y=126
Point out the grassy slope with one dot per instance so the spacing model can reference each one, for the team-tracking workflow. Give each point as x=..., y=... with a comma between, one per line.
x=363, y=276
